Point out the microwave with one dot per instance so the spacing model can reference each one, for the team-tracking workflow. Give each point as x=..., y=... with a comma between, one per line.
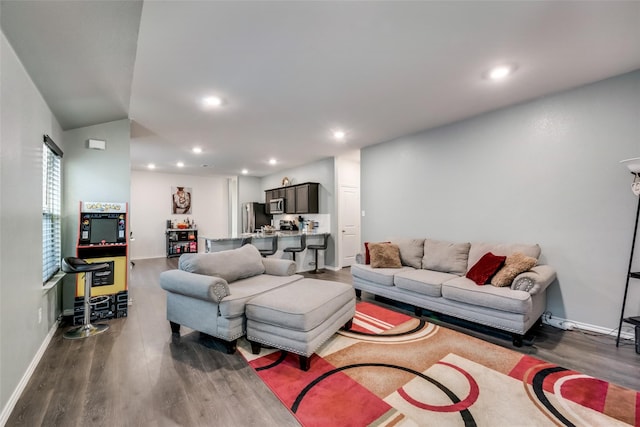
x=276, y=206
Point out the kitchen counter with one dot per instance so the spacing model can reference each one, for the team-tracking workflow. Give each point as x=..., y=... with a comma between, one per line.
x=285, y=239
x=260, y=235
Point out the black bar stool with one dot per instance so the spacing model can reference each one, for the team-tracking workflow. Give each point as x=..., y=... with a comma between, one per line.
x=76, y=266
x=317, y=248
x=273, y=249
x=294, y=249
x=245, y=241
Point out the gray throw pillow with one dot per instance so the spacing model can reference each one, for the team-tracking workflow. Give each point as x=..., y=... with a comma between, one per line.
x=231, y=265
x=446, y=257
x=411, y=251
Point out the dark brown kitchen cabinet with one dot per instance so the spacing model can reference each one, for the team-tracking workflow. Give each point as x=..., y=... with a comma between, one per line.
x=268, y=196
x=307, y=198
x=290, y=200
x=299, y=199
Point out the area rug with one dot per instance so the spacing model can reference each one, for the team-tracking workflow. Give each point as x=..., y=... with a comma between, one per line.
x=391, y=369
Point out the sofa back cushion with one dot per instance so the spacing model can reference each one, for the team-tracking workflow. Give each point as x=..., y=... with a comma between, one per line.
x=478, y=249
x=446, y=257
x=411, y=251
x=231, y=265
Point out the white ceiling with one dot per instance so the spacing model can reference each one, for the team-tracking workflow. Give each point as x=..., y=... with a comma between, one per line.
x=291, y=72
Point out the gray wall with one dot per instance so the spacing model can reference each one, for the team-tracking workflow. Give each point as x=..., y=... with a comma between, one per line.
x=151, y=208
x=543, y=172
x=322, y=172
x=24, y=118
x=92, y=175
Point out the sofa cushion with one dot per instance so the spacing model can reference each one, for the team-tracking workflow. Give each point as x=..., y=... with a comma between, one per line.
x=485, y=268
x=505, y=299
x=243, y=290
x=480, y=248
x=302, y=305
x=425, y=282
x=379, y=276
x=515, y=264
x=231, y=265
x=384, y=255
x=411, y=251
x=446, y=257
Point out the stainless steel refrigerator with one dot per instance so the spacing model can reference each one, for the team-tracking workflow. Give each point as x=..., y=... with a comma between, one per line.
x=254, y=217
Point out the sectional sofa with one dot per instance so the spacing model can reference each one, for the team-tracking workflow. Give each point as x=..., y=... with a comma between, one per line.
x=208, y=292
x=432, y=275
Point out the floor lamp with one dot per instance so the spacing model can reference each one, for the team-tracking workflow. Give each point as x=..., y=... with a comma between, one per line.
x=634, y=167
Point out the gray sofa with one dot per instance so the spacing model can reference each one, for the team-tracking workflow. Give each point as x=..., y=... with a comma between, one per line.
x=208, y=291
x=432, y=277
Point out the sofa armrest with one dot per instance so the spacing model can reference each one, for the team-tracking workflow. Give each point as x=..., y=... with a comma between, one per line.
x=279, y=267
x=535, y=280
x=208, y=288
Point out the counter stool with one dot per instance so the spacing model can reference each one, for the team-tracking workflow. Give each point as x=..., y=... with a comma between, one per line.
x=294, y=249
x=76, y=266
x=245, y=241
x=273, y=249
x=316, y=248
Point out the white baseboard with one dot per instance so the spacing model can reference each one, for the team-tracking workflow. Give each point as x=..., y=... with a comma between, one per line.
x=568, y=325
x=8, y=408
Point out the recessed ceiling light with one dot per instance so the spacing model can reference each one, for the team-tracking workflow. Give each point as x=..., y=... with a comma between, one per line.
x=500, y=72
x=272, y=161
x=244, y=171
x=212, y=101
x=197, y=150
x=180, y=164
x=151, y=166
x=339, y=135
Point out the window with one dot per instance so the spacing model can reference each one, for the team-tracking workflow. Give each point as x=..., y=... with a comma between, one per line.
x=51, y=201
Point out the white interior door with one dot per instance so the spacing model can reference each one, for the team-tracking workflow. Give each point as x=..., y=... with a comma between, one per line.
x=349, y=224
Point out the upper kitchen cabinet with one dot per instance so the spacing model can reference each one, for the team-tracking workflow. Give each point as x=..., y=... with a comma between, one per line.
x=290, y=200
x=299, y=199
x=307, y=198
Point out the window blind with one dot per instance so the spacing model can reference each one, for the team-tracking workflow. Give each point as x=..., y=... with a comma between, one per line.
x=51, y=209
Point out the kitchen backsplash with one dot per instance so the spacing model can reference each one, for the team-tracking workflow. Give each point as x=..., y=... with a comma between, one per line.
x=323, y=220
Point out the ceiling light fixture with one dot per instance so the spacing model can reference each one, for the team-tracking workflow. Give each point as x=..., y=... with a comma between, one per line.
x=339, y=135
x=272, y=161
x=500, y=72
x=212, y=101
x=197, y=150
x=180, y=164
x=151, y=166
x=245, y=171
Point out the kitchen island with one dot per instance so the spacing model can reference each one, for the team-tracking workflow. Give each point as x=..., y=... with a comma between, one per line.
x=304, y=260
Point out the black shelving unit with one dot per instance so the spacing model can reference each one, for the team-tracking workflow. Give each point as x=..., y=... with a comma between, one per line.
x=630, y=275
x=181, y=241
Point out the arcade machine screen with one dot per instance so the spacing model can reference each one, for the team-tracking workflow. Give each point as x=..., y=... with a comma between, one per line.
x=104, y=229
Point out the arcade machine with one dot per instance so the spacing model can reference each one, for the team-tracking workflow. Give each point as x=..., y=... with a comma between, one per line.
x=102, y=238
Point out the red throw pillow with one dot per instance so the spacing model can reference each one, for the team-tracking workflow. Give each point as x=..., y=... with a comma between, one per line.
x=367, y=256
x=485, y=268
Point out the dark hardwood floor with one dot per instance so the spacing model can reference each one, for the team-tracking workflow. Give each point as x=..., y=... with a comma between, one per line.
x=135, y=374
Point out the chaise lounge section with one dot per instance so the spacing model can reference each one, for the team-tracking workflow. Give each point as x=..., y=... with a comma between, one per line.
x=208, y=292
x=435, y=275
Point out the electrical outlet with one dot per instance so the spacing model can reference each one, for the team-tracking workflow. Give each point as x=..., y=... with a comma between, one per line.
x=40, y=315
